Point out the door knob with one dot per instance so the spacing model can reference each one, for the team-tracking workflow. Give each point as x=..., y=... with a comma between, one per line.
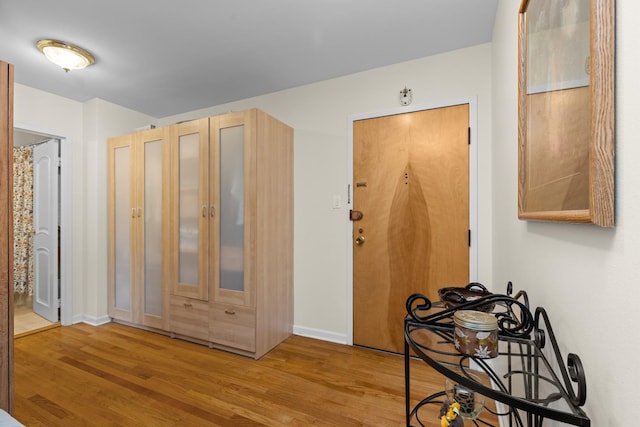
x=360, y=240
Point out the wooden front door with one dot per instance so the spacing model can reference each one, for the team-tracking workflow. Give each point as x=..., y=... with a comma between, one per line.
x=411, y=183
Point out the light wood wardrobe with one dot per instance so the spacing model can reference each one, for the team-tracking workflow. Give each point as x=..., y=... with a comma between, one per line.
x=201, y=231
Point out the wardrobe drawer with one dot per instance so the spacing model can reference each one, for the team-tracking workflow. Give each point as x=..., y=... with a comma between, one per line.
x=233, y=326
x=189, y=317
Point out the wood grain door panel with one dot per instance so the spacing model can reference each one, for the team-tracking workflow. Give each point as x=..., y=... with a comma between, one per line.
x=411, y=182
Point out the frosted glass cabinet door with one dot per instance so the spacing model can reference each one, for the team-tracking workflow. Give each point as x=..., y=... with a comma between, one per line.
x=122, y=220
x=153, y=241
x=231, y=166
x=189, y=209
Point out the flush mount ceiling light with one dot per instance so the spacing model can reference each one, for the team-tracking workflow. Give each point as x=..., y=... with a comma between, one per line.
x=65, y=55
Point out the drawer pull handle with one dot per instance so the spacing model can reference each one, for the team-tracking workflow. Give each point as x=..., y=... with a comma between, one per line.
x=188, y=305
x=231, y=312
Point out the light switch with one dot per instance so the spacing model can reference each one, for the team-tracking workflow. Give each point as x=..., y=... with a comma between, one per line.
x=337, y=201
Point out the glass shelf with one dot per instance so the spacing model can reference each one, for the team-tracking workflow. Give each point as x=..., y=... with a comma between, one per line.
x=528, y=378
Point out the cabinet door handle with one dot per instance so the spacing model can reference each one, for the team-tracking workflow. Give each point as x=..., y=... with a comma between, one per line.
x=188, y=305
x=230, y=312
x=204, y=211
x=212, y=209
x=133, y=212
x=139, y=212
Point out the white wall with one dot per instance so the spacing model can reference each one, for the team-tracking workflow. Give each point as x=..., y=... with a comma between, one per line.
x=585, y=276
x=319, y=114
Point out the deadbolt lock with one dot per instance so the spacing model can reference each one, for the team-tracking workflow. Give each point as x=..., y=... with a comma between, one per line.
x=355, y=215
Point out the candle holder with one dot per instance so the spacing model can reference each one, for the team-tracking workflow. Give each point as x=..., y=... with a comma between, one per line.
x=471, y=403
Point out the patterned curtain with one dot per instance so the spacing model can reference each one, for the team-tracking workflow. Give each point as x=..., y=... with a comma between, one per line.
x=22, y=223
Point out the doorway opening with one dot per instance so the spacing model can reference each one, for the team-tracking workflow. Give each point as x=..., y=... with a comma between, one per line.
x=41, y=242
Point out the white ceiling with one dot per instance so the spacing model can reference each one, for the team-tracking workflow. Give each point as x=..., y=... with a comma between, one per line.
x=163, y=57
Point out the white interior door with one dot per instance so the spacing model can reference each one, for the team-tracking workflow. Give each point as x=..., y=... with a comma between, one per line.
x=45, y=224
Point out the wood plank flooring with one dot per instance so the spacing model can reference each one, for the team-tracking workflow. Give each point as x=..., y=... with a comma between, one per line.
x=115, y=375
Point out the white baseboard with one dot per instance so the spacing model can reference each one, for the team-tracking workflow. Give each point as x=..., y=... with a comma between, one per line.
x=91, y=320
x=320, y=334
x=501, y=408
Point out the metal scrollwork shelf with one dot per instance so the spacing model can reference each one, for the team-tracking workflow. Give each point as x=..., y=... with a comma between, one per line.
x=529, y=378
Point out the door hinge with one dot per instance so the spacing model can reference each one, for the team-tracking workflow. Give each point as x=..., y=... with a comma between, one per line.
x=469, y=136
x=469, y=237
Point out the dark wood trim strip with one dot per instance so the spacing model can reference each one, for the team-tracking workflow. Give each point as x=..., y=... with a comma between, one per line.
x=6, y=237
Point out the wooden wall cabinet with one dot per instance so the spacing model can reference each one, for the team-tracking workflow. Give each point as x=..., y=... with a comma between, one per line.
x=138, y=191
x=230, y=232
x=566, y=111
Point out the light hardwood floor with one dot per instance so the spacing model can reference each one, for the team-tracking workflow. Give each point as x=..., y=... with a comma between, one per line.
x=25, y=321
x=115, y=375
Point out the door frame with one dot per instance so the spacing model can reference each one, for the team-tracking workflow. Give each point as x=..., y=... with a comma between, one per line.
x=473, y=189
x=66, y=217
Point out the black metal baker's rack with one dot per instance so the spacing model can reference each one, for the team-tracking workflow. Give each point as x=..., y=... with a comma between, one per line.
x=529, y=377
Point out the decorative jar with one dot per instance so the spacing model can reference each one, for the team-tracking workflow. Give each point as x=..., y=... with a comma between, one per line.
x=476, y=333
